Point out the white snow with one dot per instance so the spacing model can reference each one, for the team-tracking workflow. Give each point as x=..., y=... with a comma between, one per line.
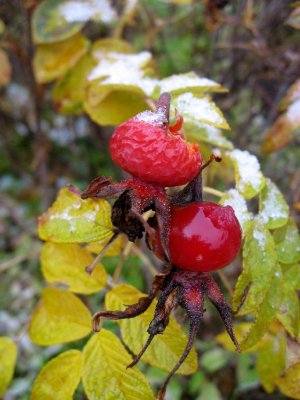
x=153, y=118
x=273, y=205
x=248, y=169
x=260, y=237
x=200, y=109
x=82, y=11
x=293, y=113
x=124, y=69
x=186, y=81
x=234, y=199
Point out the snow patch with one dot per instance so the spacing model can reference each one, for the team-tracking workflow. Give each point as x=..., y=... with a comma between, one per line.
x=273, y=205
x=82, y=11
x=186, y=81
x=248, y=169
x=293, y=113
x=153, y=118
x=234, y=199
x=260, y=237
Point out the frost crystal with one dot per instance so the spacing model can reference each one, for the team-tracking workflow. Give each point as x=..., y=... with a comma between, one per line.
x=199, y=109
x=234, y=199
x=248, y=170
x=186, y=81
x=125, y=69
x=293, y=113
x=151, y=117
x=82, y=11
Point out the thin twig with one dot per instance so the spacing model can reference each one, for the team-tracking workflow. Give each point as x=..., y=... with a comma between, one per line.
x=213, y=191
x=124, y=255
x=144, y=258
x=225, y=282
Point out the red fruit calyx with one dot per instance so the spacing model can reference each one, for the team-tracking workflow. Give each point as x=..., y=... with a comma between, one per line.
x=148, y=148
x=203, y=237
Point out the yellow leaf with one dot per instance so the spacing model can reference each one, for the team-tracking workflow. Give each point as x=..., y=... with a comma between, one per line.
x=105, y=375
x=8, y=356
x=73, y=220
x=240, y=330
x=53, y=60
x=288, y=384
x=114, y=249
x=59, y=378
x=166, y=349
x=5, y=69
x=66, y=263
x=60, y=317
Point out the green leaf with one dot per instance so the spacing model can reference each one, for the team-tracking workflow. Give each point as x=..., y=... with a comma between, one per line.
x=266, y=311
x=234, y=199
x=213, y=360
x=53, y=60
x=109, y=45
x=189, y=82
x=287, y=241
x=271, y=361
x=272, y=206
x=166, y=349
x=248, y=176
x=259, y=266
x=73, y=220
x=200, y=132
x=59, y=378
x=56, y=20
x=8, y=356
x=292, y=275
x=288, y=384
x=105, y=375
x=60, y=317
x=66, y=263
x=69, y=92
x=202, y=109
x=240, y=330
x=289, y=313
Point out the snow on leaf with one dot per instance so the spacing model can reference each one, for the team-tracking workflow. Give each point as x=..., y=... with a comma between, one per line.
x=201, y=132
x=259, y=267
x=8, y=356
x=105, y=375
x=234, y=199
x=60, y=317
x=199, y=109
x=287, y=242
x=273, y=208
x=288, y=313
x=83, y=10
x=73, y=220
x=189, y=82
x=166, y=349
x=248, y=176
x=59, y=378
x=66, y=263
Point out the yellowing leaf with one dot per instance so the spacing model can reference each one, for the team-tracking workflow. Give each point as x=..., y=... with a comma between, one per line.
x=53, y=60
x=73, y=220
x=287, y=242
x=105, y=375
x=272, y=206
x=202, y=109
x=60, y=317
x=8, y=356
x=56, y=20
x=59, y=378
x=114, y=249
x=166, y=349
x=240, y=331
x=259, y=267
x=292, y=95
x=248, y=176
x=5, y=69
x=69, y=92
x=288, y=384
x=266, y=311
x=66, y=263
x=106, y=106
x=109, y=45
x=189, y=82
x=271, y=361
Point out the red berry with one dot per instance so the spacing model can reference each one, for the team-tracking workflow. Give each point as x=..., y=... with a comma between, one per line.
x=203, y=236
x=147, y=148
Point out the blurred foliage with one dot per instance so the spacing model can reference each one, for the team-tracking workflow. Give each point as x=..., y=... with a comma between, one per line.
x=62, y=86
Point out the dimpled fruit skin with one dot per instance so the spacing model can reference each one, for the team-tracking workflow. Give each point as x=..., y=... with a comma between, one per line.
x=203, y=236
x=153, y=154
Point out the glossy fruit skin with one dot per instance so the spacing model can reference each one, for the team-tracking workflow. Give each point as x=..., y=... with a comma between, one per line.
x=154, y=154
x=203, y=236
